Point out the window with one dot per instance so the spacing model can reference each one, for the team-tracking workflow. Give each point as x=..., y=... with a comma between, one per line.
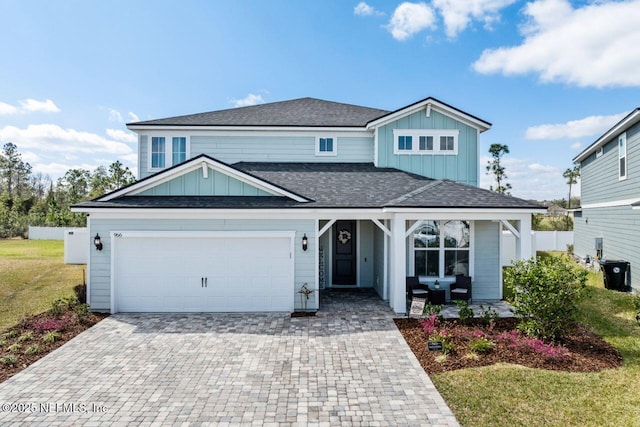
x=428, y=141
x=446, y=143
x=600, y=152
x=179, y=150
x=405, y=142
x=157, y=152
x=441, y=248
x=326, y=146
x=165, y=151
x=622, y=156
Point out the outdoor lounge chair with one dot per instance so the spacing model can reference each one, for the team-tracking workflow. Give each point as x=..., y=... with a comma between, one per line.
x=461, y=288
x=415, y=289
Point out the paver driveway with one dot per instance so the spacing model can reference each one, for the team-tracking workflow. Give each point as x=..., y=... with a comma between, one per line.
x=348, y=365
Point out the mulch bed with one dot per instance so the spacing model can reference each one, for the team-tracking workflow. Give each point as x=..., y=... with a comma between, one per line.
x=587, y=352
x=72, y=326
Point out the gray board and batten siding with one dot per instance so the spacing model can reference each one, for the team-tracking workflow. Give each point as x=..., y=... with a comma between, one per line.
x=618, y=226
x=100, y=261
x=234, y=149
x=462, y=167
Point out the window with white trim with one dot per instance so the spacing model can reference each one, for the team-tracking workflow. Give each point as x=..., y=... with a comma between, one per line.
x=326, y=146
x=158, y=152
x=600, y=152
x=429, y=141
x=622, y=156
x=179, y=149
x=166, y=151
x=441, y=248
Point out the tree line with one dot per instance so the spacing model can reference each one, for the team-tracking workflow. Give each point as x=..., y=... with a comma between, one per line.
x=32, y=198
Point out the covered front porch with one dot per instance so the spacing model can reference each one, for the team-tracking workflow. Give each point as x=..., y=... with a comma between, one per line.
x=379, y=252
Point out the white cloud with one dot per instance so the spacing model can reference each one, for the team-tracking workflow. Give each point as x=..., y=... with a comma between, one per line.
x=250, y=99
x=29, y=106
x=588, y=126
x=8, y=109
x=120, y=135
x=133, y=116
x=115, y=116
x=32, y=105
x=50, y=137
x=576, y=146
x=363, y=9
x=409, y=19
x=55, y=169
x=528, y=180
x=458, y=14
x=591, y=46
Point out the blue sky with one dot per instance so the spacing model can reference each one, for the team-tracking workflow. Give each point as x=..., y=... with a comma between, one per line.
x=551, y=75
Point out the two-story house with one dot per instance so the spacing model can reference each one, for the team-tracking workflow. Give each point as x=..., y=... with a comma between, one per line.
x=608, y=221
x=236, y=210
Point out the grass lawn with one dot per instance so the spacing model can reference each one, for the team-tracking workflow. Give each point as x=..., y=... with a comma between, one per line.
x=32, y=276
x=510, y=395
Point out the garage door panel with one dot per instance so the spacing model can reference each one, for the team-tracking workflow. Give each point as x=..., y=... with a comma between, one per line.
x=165, y=274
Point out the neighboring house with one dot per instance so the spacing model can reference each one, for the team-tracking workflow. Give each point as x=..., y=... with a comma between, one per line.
x=236, y=209
x=610, y=196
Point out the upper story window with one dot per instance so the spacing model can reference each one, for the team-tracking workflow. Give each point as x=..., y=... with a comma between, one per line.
x=429, y=141
x=600, y=152
x=167, y=151
x=326, y=146
x=622, y=156
x=158, y=152
x=179, y=148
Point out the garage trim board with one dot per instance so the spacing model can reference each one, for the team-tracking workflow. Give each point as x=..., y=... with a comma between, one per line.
x=232, y=271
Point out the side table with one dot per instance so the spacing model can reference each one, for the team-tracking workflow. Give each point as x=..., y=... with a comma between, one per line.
x=437, y=296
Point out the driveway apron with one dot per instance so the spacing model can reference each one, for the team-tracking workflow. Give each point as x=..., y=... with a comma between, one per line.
x=349, y=365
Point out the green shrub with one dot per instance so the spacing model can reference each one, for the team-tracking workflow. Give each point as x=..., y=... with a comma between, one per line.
x=33, y=349
x=430, y=309
x=50, y=336
x=636, y=299
x=14, y=347
x=488, y=315
x=3, y=343
x=570, y=248
x=62, y=305
x=447, y=341
x=12, y=334
x=546, y=293
x=481, y=345
x=27, y=336
x=9, y=360
x=466, y=313
x=81, y=310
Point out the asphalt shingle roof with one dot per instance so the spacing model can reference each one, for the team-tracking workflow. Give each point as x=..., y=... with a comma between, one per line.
x=302, y=112
x=335, y=185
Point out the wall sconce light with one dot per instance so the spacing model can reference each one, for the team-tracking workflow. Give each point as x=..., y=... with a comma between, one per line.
x=98, y=242
x=305, y=242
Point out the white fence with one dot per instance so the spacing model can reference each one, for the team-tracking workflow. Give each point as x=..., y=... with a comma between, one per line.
x=76, y=246
x=46, y=233
x=540, y=241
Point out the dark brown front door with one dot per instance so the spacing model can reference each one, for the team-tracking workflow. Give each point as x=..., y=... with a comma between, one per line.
x=344, y=253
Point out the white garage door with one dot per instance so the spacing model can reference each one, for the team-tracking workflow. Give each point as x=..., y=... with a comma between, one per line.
x=202, y=274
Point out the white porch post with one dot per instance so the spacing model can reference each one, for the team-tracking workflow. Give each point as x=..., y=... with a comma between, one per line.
x=523, y=247
x=398, y=266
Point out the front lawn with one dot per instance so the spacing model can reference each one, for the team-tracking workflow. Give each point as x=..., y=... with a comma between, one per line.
x=509, y=394
x=32, y=276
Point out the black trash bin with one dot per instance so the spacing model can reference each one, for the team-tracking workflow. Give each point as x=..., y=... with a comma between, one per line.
x=615, y=274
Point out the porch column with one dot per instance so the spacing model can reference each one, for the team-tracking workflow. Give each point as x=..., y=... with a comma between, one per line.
x=523, y=246
x=398, y=266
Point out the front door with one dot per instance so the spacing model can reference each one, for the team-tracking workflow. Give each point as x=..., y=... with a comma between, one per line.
x=344, y=253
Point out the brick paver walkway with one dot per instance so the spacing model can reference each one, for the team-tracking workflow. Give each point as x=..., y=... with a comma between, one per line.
x=349, y=365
